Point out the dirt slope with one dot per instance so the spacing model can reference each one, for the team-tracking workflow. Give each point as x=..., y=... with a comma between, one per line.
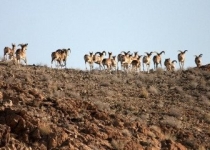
x=43, y=108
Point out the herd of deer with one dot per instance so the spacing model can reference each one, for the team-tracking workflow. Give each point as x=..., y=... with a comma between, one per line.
x=128, y=61
x=16, y=55
x=133, y=61
x=60, y=55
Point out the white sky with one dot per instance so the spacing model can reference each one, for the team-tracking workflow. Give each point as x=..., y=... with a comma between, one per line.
x=110, y=25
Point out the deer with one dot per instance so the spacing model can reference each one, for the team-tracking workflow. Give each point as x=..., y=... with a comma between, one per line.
x=181, y=58
x=146, y=61
x=98, y=59
x=198, y=60
x=157, y=59
x=89, y=59
x=21, y=53
x=63, y=55
x=108, y=61
x=122, y=56
x=9, y=51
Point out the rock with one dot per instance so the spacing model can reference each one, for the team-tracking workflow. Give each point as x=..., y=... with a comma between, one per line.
x=172, y=145
x=12, y=120
x=5, y=135
x=132, y=145
x=52, y=141
x=1, y=96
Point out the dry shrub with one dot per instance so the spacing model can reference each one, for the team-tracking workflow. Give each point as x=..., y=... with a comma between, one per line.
x=191, y=70
x=205, y=73
x=149, y=78
x=171, y=121
x=188, y=98
x=1, y=96
x=190, y=143
x=169, y=136
x=164, y=87
x=193, y=84
x=69, y=86
x=73, y=94
x=202, y=84
x=45, y=77
x=102, y=106
x=191, y=77
x=171, y=81
x=200, y=111
x=208, y=82
x=144, y=93
x=159, y=71
x=153, y=90
x=10, y=80
x=56, y=94
x=151, y=134
x=160, y=104
x=207, y=130
x=36, y=103
x=118, y=144
x=116, y=79
x=45, y=129
x=144, y=117
x=52, y=86
x=40, y=64
x=175, y=112
x=140, y=84
x=208, y=94
x=109, y=93
x=155, y=128
x=126, y=133
x=141, y=76
x=205, y=100
x=179, y=89
x=195, y=93
x=130, y=76
x=105, y=84
x=207, y=117
x=201, y=148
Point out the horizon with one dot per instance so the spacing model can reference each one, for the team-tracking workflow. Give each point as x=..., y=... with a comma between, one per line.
x=113, y=26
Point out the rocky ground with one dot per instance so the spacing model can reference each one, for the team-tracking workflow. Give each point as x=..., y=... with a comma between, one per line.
x=44, y=108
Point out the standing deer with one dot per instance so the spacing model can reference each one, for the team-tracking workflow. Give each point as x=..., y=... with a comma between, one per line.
x=173, y=65
x=122, y=57
x=181, y=58
x=21, y=53
x=108, y=61
x=63, y=55
x=56, y=56
x=198, y=60
x=146, y=61
x=89, y=59
x=9, y=51
x=157, y=59
x=136, y=64
x=98, y=59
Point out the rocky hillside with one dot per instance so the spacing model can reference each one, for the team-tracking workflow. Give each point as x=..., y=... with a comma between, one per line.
x=44, y=108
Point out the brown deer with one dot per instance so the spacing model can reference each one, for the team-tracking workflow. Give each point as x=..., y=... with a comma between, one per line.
x=9, y=51
x=21, y=53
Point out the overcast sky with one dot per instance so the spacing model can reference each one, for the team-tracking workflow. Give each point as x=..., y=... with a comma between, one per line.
x=110, y=25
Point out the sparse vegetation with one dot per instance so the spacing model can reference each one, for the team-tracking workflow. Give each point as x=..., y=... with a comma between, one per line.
x=153, y=90
x=144, y=93
x=105, y=111
x=118, y=144
x=172, y=122
x=45, y=129
x=207, y=117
